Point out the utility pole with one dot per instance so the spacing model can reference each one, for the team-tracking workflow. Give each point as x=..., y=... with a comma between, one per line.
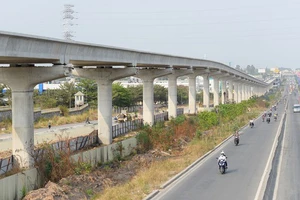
x=68, y=18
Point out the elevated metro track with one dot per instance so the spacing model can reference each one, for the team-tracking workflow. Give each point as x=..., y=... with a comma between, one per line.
x=26, y=50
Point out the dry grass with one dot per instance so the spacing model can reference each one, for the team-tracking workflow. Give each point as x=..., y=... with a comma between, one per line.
x=60, y=120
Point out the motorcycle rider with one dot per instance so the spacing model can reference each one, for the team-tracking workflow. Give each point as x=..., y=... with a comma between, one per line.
x=264, y=116
x=276, y=116
x=237, y=136
x=251, y=122
x=223, y=157
x=270, y=113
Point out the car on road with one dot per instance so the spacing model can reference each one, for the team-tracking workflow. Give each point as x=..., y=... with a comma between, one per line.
x=296, y=108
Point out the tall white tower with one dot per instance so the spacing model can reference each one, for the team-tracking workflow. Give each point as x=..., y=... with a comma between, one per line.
x=68, y=18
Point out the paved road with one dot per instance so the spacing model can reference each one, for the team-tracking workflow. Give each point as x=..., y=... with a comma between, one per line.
x=246, y=164
x=289, y=170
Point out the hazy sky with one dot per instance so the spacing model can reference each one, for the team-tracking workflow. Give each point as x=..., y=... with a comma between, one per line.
x=263, y=33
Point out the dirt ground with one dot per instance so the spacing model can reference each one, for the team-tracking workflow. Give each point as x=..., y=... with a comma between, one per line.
x=84, y=186
x=5, y=154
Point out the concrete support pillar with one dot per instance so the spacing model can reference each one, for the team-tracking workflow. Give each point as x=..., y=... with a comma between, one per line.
x=148, y=76
x=104, y=78
x=192, y=93
x=172, y=96
x=242, y=90
x=223, y=89
x=216, y=92
x=256, y=91
x=205, y=90
x=23, y=125
x=259, y=91
x=230, y=90
x=245, y=92
x=249, y=92
x=148, y=101
x=172, y=90
x=104, y=110
x=253, y=91
x=22, y=80
x=240, y=94
x=236, y=92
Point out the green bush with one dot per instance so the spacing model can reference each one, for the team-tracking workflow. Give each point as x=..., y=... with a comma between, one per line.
x=208, y=119
x=64, y=110
x=144, y=141
x=83, y=167
x=198, y=134
x=178, y=120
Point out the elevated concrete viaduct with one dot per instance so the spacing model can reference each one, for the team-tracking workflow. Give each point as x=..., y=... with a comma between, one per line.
x=21, y=54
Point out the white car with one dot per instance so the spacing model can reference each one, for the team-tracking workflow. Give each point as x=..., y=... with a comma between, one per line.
x=296, y=108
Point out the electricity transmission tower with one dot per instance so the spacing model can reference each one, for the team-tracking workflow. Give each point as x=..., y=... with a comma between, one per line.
x=68, y=18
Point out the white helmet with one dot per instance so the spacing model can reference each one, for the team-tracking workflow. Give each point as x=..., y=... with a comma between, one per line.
x=222, y=153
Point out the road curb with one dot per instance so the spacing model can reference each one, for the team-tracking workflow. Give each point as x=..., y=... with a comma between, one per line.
x=151, y=195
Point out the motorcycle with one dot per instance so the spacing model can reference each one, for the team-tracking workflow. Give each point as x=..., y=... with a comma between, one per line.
x=236, y=141
x=275, y=118
x=263, y=118
x=251, y=124
x=222, y=166
x=268, y=120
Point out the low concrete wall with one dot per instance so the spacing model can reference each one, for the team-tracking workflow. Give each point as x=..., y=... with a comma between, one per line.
x=80, y=110
x=15, y=186
x=48, y=114
x=6, y=113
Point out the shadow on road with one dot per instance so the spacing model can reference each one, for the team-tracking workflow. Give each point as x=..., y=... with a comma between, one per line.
x=231, y=171
x=242, y=144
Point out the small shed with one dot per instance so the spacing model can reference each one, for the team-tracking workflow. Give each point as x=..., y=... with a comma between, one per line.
x=79, y=99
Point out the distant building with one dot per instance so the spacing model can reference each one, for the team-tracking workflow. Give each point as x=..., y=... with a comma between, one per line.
x=261, y=71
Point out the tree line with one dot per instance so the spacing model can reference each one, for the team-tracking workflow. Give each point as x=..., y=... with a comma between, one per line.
x=121, y=96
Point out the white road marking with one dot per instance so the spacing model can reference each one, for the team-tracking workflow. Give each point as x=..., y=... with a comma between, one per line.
x=264, y=180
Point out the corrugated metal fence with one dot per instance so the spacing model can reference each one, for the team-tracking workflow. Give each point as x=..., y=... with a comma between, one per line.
x=123, y=128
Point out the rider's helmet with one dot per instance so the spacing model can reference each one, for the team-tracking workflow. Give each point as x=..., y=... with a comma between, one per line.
x=222, y=153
